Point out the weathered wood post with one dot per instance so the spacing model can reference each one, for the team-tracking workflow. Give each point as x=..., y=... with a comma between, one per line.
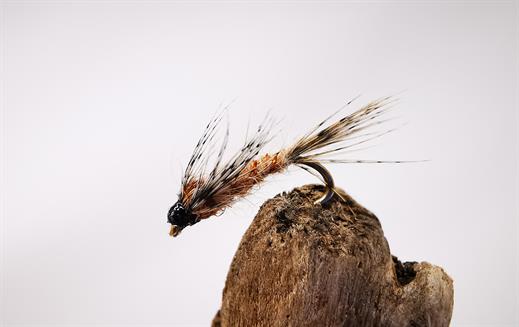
x=302, y=264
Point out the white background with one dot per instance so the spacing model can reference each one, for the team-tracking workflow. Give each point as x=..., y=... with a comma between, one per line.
x=104, y=101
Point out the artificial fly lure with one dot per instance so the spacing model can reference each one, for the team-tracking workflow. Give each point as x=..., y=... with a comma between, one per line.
x=207, y=193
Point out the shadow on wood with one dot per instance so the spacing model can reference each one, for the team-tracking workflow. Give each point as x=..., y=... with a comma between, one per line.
x=301, y=264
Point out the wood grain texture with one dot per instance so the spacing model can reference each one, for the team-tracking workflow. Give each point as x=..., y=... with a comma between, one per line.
x=301, y=264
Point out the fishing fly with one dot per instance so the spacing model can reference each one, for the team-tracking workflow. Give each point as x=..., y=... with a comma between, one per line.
x=205, y=193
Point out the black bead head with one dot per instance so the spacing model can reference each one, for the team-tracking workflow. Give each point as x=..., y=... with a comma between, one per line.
x=179, y=217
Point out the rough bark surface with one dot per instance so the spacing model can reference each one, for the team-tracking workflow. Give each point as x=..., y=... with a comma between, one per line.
x=301, y=264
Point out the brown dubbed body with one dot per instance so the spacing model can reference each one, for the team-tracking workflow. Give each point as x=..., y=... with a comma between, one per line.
x=254, y=173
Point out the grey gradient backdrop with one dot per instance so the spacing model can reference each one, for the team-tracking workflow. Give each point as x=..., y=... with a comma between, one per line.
x=103, y=102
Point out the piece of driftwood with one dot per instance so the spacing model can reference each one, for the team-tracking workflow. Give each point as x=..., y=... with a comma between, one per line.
x=302, y=264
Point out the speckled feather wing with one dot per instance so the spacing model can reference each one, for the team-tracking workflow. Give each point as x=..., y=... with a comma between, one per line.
x=200, y=185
